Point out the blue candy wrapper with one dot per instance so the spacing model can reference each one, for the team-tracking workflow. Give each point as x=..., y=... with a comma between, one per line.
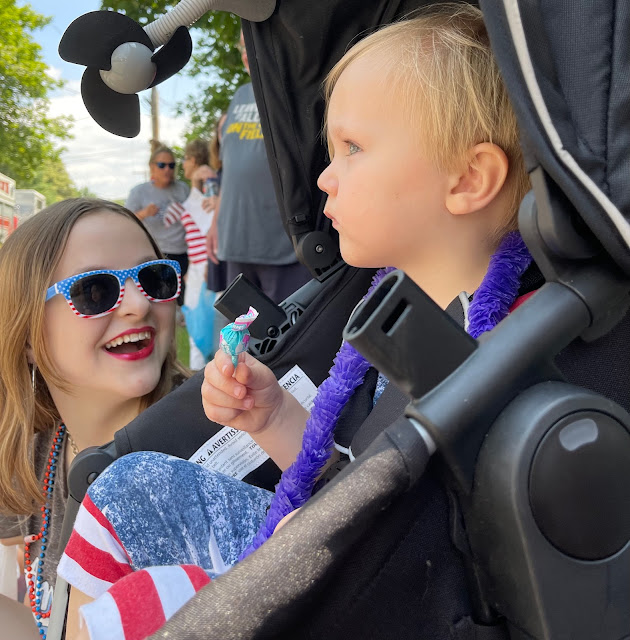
x=235, y=336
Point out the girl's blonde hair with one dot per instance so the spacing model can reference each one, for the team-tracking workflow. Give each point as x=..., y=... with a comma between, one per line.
x=442, y=68
x=28, y=258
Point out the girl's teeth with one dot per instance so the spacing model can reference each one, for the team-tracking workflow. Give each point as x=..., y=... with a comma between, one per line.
x=130, y=337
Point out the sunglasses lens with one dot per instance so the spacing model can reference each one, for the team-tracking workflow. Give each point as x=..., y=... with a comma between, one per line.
x=161, y=165
x=159, y=281
x=95, y=294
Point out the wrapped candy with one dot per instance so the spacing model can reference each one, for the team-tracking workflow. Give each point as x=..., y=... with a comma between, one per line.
x=235, y=336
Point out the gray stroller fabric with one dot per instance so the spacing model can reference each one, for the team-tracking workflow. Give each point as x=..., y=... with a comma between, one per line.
x=565, y=64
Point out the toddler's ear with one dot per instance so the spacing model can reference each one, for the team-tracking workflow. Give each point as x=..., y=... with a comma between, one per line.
x=480, y=181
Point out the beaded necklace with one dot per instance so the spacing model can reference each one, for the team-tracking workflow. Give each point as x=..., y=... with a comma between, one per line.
x=34, y=583
x=490, y=304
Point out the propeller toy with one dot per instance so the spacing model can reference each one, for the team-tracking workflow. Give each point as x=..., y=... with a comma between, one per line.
x=122, y=58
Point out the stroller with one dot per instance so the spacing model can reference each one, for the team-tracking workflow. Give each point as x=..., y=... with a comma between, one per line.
x=528, y=491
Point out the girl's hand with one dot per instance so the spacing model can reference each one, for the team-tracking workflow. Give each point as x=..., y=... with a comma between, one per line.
x=246, y=399
x=210, y=204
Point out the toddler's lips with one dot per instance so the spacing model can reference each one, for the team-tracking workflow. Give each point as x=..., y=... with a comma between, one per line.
x=331, y=218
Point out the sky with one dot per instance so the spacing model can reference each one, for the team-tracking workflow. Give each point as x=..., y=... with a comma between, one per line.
x=108, y=165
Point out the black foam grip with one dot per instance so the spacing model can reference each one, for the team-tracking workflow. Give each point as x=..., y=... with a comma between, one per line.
x=173, y=56
x=92, y=38
x=116, y=112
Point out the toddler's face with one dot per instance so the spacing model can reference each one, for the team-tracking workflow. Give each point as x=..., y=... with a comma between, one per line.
x=385, y=197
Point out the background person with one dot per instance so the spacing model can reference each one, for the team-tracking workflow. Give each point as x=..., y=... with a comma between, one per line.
x=216, y=272
x=247, y=232
x=196, y=221
x=150, y=200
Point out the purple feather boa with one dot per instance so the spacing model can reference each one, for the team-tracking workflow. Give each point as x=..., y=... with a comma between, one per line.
x=491, y=303
x=499, y=288
x=297, y=482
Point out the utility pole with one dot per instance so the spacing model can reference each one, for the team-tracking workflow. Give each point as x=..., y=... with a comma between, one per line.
x=155, y=119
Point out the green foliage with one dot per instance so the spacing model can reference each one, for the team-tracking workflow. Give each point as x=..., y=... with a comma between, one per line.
x=27, y=133
x=216, y=64
x=51, y=179
x=183, y=345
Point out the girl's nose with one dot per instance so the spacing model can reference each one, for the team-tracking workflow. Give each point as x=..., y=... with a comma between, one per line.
x=134, y=302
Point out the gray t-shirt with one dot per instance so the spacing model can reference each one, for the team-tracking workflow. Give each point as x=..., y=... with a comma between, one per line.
x=170, y=239
x=249, y=226
x=12, y=526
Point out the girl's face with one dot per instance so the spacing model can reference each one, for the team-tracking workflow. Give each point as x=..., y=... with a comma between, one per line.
x=78, y=347
x=189, y=165
x=385, y=197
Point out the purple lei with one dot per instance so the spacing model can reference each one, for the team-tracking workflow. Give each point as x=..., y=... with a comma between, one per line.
x=490, y=305
x=499, y=288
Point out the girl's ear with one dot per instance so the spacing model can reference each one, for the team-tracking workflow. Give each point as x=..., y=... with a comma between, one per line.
x=480, y=182
x=30, y=356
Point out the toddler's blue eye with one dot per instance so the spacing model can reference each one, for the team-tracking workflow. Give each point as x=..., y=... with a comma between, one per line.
x=353, y=148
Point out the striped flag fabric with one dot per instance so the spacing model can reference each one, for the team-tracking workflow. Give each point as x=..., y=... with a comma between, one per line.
x=120, y=615
x=195, y=240
x=111, y=581
x=94, y=537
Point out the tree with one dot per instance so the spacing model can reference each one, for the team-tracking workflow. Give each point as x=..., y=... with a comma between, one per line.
x=28, y=136
x=51, y=179
x=216, y=62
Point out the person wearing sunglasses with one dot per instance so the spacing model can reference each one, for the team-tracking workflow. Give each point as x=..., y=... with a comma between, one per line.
x=87, y=310
x=150, y=201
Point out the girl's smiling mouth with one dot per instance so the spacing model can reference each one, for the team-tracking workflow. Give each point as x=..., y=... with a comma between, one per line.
x=134, y=344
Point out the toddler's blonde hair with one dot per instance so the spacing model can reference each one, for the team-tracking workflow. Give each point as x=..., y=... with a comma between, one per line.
x=440, y=64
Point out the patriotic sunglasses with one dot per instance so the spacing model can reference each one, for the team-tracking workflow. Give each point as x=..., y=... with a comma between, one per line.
x=96, y=293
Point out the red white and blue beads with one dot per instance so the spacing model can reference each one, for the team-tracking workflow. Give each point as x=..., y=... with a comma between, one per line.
x=34, y=582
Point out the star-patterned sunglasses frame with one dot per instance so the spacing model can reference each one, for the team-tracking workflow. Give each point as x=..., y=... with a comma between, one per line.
x=159, y=279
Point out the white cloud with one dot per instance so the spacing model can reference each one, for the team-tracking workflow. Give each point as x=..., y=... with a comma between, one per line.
x=54, y=73
x=108, y=165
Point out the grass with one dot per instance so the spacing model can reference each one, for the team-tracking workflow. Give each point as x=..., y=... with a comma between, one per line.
x=183, y=345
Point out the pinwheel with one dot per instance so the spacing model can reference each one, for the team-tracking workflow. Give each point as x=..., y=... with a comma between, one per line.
x=123, y=59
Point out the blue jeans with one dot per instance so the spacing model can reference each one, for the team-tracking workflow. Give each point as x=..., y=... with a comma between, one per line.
x=168, y=511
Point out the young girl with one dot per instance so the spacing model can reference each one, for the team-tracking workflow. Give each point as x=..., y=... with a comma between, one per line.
x=426, y=175
x=196, y=221
x=87, y=314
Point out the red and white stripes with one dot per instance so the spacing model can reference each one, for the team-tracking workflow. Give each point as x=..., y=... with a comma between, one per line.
x=195, y=241
x=110, y=578
x=93, y=537
x=120, y=615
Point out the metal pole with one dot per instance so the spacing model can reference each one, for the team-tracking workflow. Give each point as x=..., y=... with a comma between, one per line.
x=155, y=119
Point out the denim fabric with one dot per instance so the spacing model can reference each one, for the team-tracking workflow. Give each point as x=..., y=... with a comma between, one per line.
x=381, y=383
x=167, y=511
